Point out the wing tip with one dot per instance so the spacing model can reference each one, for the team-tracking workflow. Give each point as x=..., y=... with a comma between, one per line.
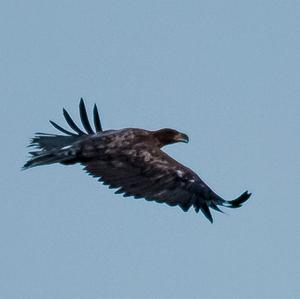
x=204, y=209
x=205, y=206
x=238, y=202
x=84, y=117
x=97, y=122
x=84, y=120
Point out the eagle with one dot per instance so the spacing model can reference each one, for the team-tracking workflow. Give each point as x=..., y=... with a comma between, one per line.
x=130, y=160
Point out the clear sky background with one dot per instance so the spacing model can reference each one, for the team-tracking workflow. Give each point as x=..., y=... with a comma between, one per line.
x=225, y=72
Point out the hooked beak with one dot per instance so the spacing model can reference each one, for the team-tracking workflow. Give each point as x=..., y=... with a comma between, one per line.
x=181, y=137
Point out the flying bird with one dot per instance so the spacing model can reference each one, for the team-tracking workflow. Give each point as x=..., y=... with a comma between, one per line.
x=130, y=160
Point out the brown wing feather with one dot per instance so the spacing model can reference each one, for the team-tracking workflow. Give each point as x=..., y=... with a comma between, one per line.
x=160, y=183
x=144, y=171
x=128, y=161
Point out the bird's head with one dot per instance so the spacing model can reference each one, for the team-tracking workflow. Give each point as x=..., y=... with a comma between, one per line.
x=169, y=136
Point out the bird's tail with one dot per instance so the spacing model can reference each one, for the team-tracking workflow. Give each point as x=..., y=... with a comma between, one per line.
x=53, y=148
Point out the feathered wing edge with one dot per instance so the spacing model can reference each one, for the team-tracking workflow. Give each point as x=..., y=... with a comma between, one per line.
x=238, y=202
x=84, y=120
x=218, y=201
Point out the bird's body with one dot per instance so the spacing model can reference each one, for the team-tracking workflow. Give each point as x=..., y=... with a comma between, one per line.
x=130, y=160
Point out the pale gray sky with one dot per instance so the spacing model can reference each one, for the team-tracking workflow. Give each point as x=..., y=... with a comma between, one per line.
x=225, y=72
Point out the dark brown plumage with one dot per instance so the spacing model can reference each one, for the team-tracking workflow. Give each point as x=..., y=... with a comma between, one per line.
x=130, y=160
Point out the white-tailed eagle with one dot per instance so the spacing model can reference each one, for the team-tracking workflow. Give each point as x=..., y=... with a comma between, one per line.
x=130, y=160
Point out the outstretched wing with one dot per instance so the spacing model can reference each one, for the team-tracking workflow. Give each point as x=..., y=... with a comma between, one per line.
x=145, y=172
